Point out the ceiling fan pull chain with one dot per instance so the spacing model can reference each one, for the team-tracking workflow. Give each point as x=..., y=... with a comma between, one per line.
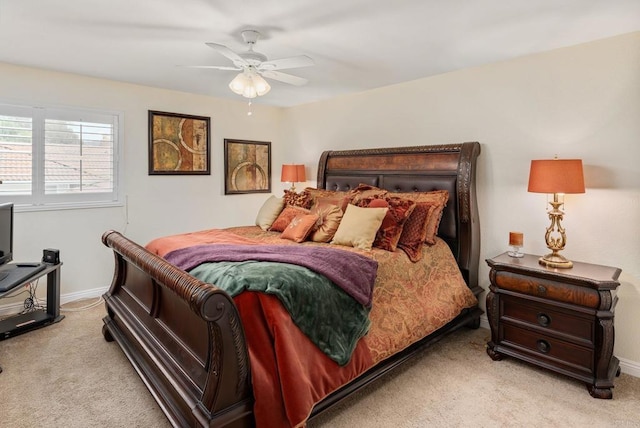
x=249, y=112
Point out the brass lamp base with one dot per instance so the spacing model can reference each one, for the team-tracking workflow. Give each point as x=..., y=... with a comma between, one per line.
x=557, y=243
x=555, y=260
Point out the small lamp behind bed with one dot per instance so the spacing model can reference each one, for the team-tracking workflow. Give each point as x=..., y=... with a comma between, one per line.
x=293, y=174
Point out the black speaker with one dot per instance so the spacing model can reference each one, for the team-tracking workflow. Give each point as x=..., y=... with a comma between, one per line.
x=51, y=255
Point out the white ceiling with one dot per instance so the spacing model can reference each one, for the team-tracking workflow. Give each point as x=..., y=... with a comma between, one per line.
x=356, y=44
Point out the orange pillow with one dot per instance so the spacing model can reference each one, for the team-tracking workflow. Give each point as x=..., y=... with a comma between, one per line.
x=285, y=217
x=300, y=227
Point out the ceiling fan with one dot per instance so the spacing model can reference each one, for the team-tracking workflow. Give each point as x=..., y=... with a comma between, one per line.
x=253, y=66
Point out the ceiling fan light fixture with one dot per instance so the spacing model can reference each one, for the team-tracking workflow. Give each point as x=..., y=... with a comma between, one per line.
x=249, y=84
x=261, y=85
x=239, y=82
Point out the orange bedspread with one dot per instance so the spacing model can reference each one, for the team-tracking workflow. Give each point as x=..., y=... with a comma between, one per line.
x=289, y=374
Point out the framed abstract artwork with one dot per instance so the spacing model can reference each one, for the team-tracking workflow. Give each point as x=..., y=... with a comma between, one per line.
x=179, y=144
x=247, y=167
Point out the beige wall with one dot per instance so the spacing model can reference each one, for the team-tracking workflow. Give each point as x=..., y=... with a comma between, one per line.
x=155, y=205
x=581, y=102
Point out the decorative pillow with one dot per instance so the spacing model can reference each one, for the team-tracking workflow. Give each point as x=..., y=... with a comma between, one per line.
x=302, y=199
x=399, y=211
x=340, y=201
x=329, y=217
x=269, y=212
x=285, y=217
x=300, y=227
x=359, y=226
x=422, y=225
x=415, y=230
x=366, y=191
x=316, y=194
x=433, y=223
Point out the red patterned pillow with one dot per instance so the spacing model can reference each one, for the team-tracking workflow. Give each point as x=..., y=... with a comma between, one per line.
x=422, y=225
x=390, y=231
x=285, y=217
x=300, y=227
x=302, y=199
x=415, y=231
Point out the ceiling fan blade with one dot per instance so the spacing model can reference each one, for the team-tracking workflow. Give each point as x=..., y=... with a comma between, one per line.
x=284, y=63
x=283, y=77
x=223, y=50
x=215, y=67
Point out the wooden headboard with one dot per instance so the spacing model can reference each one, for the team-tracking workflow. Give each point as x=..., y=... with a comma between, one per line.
x=421, y=169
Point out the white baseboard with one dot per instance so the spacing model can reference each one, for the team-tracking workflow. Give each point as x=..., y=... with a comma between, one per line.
x=14, y=308
x=629, y=367
x=484, y=322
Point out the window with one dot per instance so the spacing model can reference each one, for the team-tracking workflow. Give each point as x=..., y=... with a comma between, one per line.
x=59, y=158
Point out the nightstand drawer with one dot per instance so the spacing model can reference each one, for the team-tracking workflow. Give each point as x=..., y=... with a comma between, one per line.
x=554, y=321
x=581, y=296
x=557, y=351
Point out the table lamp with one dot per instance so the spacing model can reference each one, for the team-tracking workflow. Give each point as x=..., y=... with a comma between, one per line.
x=556, y=176
x=293, y=174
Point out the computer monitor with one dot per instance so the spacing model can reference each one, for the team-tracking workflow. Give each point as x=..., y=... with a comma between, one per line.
x=6, y=233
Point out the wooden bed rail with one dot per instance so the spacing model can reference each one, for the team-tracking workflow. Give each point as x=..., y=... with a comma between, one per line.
x=212, y=379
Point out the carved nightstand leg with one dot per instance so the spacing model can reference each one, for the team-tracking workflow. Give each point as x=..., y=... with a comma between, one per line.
x=604, y=393
x=495, y=356
x=106, y=333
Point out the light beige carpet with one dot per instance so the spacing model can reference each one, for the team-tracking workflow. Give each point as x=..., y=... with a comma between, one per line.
x=67, y=375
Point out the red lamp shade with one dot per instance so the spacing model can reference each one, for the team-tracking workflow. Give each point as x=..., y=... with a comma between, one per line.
x=556, y=176
x=293, y=174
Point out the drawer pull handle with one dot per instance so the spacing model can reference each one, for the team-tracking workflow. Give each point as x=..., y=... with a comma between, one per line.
x=544, y=319
x=542, y=289
x=543, y=346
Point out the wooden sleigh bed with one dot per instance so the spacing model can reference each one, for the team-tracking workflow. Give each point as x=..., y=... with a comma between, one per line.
x=186, y=338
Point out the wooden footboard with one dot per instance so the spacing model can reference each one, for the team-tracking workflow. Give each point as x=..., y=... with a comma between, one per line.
x=183, y=336
x=185, y=339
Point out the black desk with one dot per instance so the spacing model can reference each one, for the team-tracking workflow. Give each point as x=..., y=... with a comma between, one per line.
x=22, y=323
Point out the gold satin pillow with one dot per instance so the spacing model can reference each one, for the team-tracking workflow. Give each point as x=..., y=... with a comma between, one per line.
x=329, y=217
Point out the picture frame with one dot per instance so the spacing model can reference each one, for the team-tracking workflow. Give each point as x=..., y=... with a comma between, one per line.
x=247, y=166
x=179, y=144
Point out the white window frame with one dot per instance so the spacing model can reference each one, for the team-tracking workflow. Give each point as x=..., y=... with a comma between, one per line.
x=38, y=200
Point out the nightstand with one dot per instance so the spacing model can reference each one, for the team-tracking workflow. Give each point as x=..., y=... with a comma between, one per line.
x=559, y=319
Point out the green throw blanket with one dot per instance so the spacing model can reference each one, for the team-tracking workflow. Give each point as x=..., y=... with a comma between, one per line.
x=332, y=319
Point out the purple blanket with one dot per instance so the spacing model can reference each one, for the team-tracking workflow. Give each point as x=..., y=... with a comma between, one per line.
x=352, y=272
